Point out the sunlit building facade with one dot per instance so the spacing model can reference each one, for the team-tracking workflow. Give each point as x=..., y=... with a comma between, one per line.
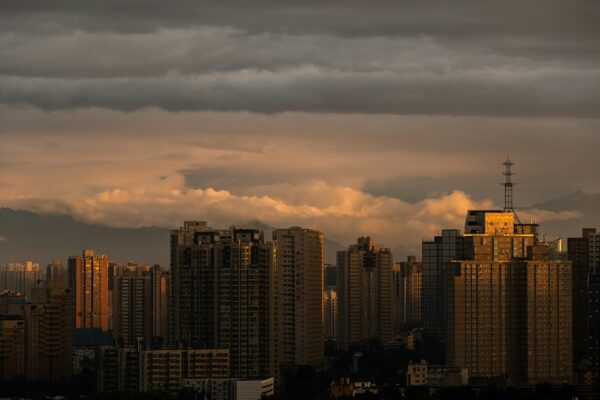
x=88, y=280
x=509, y=304
x=300, y=266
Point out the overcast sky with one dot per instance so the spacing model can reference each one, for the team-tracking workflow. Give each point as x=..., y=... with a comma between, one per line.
x=355, y=117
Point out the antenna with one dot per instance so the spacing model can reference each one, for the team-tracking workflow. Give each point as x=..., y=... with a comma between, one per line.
x=508, y=187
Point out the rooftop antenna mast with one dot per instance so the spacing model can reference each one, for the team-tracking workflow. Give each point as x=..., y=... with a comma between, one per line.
x=508, y=187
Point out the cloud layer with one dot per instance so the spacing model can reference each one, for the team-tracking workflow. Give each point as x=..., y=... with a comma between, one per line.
x=466, y=59
x=347, y=176
x=385, y=118
x=342, y=212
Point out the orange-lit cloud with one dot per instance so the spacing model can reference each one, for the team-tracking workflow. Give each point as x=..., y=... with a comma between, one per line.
x=342, y=212
x=394, y=178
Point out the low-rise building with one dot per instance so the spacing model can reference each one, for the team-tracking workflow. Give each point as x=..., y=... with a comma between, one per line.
x=416, y=374
x=232, y=389
x=423, y=374
x=129, y=369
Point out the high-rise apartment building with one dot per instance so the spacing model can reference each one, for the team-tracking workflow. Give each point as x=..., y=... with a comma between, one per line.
x=437, y=255
x=578, y=254
x=56, y=275
x=593, y=330
x=408, y=293
x=140, y=303
x=509, y=305
x=365, y=293
x=594, y=251
x=88, y=280
x=549, y=349
x=224, y=295
x=330, y=276
x=48, y=326
x=397, y=299
x=161, y=297
x=12, y=346
x=193, y=281
x=16, y=277
x=300, y=296
x=132, y=310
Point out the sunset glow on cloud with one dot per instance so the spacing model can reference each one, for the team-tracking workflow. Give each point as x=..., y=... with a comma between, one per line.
x=299, y=116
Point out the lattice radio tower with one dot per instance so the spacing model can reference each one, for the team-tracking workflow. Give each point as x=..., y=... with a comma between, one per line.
x=508, y=187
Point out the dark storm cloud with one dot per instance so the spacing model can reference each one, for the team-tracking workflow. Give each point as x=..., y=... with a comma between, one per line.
x=312, y=89
x=347, y=18
x=511, y=58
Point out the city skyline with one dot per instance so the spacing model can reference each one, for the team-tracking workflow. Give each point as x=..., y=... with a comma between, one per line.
x=505, y=295
x=292, y=199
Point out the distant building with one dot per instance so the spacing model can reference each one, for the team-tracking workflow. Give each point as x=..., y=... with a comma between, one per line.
x=330, y=276
x=11, y=303
x=330, y=310
x=88, y=279
x=132, y=310
x=140, y=303
x=56, y=275
x=223, y=291
x=408, y=299
x=365, y=293
x=161, y=297
x=300, y=302
x=21, y=278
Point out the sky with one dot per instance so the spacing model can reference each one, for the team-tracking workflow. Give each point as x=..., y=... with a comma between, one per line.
x=388, y=119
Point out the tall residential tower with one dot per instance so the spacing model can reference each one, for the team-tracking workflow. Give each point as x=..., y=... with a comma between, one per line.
x=365, y=293
x=300, y=296
x=88, y=280
x=224, y=295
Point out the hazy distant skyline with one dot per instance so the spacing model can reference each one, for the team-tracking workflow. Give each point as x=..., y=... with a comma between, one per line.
x=356, y=118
